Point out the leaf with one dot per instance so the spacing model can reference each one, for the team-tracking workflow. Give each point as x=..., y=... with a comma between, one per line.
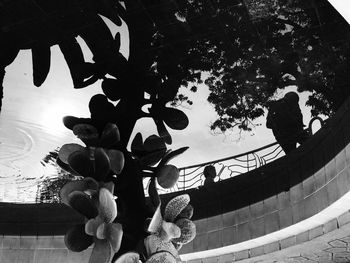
x=92, y=225
x=129, y=257
x=80, y=162
x=187, y=212
x=101, y=231
x=137, y=145
x=67, y=149
x=9, y=56
x=154, y=143
x=76, y=239
x=91, y=183
x=109, y=186
x=114, y=234
x=110, y=135
x=174, y=118
x=175, y=206
x=155, y=226
x=101, y=252
x=112, y=88
x=82, y=203
x=85, y=131
x=41, y=57
x=152, y=158
x=107, y=206
x=177, y=245
x=98, y=38
x=118, y=68
x=81, y=185
x=161, y=257
x=71, y=121
x=188, y=231
x=65, y=167
x=170, y=231
x=155, y=244
x=102, y=164
x=101, y=109
x=162, y=131
x=172, y=155
x=117, y=160
x=167, y=176
x=74, y=57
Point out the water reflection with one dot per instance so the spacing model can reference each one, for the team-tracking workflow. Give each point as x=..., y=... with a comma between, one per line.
x=31, y=125
x=229, y=59
x=23, y=145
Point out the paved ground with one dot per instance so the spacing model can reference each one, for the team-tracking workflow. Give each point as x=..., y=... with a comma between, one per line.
x=333, y=247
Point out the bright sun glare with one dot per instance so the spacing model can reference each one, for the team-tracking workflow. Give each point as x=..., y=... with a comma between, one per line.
x=51, y=118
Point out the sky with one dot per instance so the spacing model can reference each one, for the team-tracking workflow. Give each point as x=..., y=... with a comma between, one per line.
x=31, y=120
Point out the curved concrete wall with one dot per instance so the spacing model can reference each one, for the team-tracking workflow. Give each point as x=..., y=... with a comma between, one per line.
x=36, y=219
x=277, y=195
x=254, y=204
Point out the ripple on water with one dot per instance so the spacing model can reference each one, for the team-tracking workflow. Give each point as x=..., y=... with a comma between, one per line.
x=15, y=143
x=23, y=145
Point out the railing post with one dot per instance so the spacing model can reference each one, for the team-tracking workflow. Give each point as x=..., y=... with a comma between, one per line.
x=184, y=188
x=248, y=162
x=312, y=121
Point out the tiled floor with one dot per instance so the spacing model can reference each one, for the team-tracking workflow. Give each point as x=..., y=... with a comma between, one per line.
x=325, y=235
x=332, y=247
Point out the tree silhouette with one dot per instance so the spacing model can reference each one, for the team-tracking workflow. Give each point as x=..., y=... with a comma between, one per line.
x=37, y=25
x=249, y=56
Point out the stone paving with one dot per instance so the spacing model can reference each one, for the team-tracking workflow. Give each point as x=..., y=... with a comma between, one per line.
x=333, y=247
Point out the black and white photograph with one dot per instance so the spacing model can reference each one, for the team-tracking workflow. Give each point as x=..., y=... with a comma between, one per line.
x=174, y=131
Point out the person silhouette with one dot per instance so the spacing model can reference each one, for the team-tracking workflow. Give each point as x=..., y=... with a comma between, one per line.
x=209, y=173
x=286, y=121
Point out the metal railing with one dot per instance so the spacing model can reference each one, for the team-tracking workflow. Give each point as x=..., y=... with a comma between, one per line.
x=193, y=176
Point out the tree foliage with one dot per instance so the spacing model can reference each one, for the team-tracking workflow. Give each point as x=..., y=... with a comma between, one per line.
x=248, y=56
